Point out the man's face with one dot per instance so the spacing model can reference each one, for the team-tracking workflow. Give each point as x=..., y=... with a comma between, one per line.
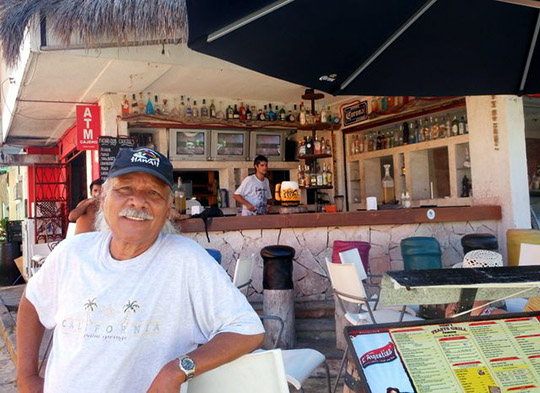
x=136, y=207
x=262, y=168
x=96, y=191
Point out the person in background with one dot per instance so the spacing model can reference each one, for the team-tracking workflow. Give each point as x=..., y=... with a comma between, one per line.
x=85, y=212
x=254, y=192
x=135, y=307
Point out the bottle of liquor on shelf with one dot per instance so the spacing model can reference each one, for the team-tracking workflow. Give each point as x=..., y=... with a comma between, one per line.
x=309, y=146
x=230, y=112
x=455, y=126
x=396, y=136
x=415, y=133
x=302, y=147
x=125, y=105
x=384, y=104
x=387, y=185
x=249, y=113
x=182, y=108
x=320, y=177
x=324, y=114
x=157, y=106
x=242, y=112
x=300, y=176
x=302, y=116
x=195, y=109
x=403, y=168
x=354, y=144
x=384, y=141
x=149, y=106
x=406, y=133
x=272, y=116
x=212, y=110
x=466, y=124
x=189, y=110
x=313, y=176
x=141, y=103
x=290, y=117
x=165, y=106
x=204, y=111
x=442, y=127
x=371, y=142
x=378, y=143
x=323, y=175
x=462, y=128
x=317, y=146
x=307, y=176
x=426, y=130
x=220, y=114
x=134, y=104
x=360, y=144
x=282, y=114
x=434, y=128
x=328, y=176
x=236, y=114
x=261, y=116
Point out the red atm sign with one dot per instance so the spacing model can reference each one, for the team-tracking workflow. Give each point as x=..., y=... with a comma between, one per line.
x=88, y=127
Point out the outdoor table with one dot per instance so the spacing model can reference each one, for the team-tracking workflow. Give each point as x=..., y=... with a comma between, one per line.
x=438, y=286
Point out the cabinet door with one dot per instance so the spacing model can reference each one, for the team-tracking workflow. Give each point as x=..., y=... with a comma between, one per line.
x=269, y=145
x=190, y=143
x=231, y=144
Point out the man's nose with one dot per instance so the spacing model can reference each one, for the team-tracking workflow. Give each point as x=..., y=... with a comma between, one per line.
x=138, y=199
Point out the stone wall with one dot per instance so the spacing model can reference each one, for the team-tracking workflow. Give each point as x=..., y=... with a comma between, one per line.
x=313, y=245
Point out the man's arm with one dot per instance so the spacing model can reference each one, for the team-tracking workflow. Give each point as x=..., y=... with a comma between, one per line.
x=29, y=336
x=239, y=198
x=223, y=348
x=80, y=209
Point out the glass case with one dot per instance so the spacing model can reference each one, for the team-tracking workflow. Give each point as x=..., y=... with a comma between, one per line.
x=270, y=144
x=230, y=145
x=189, y=144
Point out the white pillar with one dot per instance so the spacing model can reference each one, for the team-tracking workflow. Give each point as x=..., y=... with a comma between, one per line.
x=498, y=159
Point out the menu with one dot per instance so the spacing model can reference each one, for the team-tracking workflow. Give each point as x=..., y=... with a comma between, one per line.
x=491, y=356
x=108, y=149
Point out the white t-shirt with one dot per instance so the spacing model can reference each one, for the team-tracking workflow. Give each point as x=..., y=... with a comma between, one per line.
x=256, y=192
x=118, y=322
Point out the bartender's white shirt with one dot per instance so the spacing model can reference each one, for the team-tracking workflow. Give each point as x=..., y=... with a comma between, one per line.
x=117, y=323
x=256, y=192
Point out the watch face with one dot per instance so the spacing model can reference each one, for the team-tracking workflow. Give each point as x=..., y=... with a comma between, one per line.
x=187, y=364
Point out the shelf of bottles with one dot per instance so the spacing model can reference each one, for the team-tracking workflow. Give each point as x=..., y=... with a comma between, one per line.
x=410, y=132
x=183, y=109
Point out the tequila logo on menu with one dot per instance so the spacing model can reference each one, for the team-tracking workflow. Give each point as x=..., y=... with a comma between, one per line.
x=379, y=355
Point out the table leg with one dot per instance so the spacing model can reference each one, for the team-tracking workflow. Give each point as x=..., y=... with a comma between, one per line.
x=466, y=299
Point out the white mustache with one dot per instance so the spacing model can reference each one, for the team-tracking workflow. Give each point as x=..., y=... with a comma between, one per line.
x=130, y=212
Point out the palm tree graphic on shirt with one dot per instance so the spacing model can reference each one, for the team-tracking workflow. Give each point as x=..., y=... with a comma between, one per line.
x=89, y=306
x=129, y=308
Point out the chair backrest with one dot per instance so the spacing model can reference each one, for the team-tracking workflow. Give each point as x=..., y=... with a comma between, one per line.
x=529, y=254
x=261, y=372
x=346, y=280
x=353, y=256
x=243, y=271
x=421, y=253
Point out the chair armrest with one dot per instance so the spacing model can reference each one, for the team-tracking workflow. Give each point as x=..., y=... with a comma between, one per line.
x=374, y=275
x=362, y=299
x=281, y=327
x=244, y=284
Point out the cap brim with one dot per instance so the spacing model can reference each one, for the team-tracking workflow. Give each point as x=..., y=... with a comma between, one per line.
x=133, y=169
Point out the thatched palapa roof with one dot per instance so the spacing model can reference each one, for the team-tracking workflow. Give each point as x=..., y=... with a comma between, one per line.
x=92, y=21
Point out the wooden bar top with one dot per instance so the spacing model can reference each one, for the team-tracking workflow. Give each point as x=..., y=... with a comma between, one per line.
x=377, y=217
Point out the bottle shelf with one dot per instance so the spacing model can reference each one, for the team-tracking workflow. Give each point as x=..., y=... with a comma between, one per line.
x=319, y=126
x=317, y=188
x=313, y=156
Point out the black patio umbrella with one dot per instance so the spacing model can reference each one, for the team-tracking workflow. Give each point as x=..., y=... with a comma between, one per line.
x=386, y=47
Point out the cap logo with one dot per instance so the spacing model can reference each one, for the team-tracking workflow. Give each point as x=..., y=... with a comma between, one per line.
x=146, y=156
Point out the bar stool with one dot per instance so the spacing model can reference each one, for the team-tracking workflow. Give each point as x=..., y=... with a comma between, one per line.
x=479, y=241
x=421, y=253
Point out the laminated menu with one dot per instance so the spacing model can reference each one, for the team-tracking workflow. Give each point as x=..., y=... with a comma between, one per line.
x=491, y=356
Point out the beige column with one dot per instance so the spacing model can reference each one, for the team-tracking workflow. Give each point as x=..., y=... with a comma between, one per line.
x=498, y=159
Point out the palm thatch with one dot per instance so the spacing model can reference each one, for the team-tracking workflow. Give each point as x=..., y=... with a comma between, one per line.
x=92, y=21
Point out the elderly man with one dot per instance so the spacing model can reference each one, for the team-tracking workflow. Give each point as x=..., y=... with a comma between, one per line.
x=134, y=309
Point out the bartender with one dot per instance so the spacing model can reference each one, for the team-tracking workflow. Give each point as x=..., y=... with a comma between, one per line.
x=254, y=192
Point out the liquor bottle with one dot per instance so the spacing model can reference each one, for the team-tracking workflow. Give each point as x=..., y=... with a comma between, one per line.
x=272, y=116
x=387, y=186
x=219, y=112
x=324, y=115
x=195, y=109
x=317, y=146
x=396, y=136
x=426, y=130
x=230, y=112
x=134, y=104
x=313, y=177
x=249, y=114
x=236, y=114
x=302, y=147
x=149, y=106
x=384, y=103
x=188, y=111
x=212, y=110
x=461, y=126
x=406, y=133
x=374, y=105
x=330, y=115
x=165, y=106
x=455, y=126
x=378, y=144
x=307, y=177
x=300, y=176
x=125, y=106
x=261, y=116
x=448, y=126
x=324, y=178
x=182, y=109
x=205, y=112
x=320, y=179
x=371, y=142
x=384, y=141
x=403, y=168
x=309, y=146
x=390, y=139
x=434, y=128
x=302, y=116
x=328, y=176
x=466, y=125
x=354, y=144
x=242, y=111
x=157, y=106
x=142, y=104
x=390, y=102
x=361, y=144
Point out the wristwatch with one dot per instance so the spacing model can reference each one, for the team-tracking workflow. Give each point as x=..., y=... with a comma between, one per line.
x=187, y=365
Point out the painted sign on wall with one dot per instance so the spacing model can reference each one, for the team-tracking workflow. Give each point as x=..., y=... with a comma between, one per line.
x=88, y=126
x=354, y=112
x=109, y=147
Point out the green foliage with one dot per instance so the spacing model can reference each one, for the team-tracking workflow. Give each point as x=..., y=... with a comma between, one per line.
x=3, y=229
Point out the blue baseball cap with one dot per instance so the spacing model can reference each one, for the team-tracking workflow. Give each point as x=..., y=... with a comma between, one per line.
x=142, y=159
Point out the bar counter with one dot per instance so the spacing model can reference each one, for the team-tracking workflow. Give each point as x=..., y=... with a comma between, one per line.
x=312, y=220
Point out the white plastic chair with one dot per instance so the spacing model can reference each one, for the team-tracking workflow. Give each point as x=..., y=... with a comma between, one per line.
x=261, y=372
x=529, y=254
x=349, y=288
x=353, y=256
x=299, y=363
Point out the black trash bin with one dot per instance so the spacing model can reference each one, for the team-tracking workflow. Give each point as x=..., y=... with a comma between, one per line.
x=278, y=267
x=8, y=269
x=479, y=241
x=278, y=295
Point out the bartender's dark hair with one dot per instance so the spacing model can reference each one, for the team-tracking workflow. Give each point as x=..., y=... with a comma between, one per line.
x=259, y=159
x=97, y=182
